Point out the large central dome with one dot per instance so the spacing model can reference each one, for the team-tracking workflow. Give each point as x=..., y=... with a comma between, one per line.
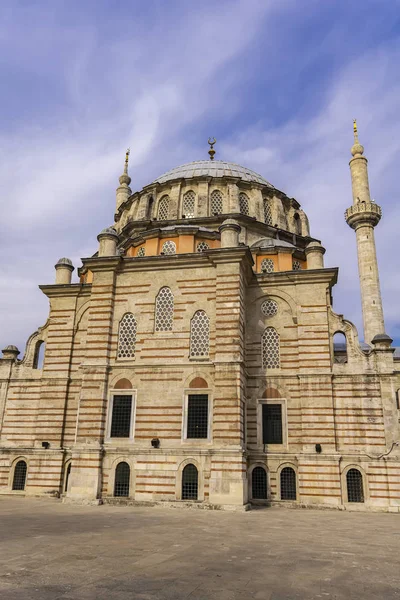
x=212, y=168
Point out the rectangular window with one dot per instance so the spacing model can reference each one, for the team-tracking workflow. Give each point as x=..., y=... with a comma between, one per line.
x=197, y=416
x=272, y=424
x=121, y=416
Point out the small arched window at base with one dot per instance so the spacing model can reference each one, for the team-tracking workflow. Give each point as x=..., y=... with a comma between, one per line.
x=122, y=479
x=190, y=483
x=259, y=484
x=355, y=488
x=19, y=478
x=339, y=348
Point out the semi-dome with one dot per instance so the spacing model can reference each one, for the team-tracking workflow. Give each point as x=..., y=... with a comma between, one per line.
x=213, y=168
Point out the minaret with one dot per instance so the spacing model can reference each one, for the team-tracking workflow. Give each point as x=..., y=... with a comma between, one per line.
x=363, y=216
x=124, y=191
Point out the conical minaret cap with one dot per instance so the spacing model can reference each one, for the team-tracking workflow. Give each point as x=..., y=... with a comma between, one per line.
x=124, y=178
x=357, y=149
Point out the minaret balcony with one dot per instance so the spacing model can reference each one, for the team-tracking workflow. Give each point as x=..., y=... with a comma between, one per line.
x=363, y=213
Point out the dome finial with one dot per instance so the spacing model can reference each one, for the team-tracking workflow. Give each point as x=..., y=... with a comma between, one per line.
x=211, y=151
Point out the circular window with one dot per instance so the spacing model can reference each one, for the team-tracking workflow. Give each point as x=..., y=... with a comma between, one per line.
x=269, y=308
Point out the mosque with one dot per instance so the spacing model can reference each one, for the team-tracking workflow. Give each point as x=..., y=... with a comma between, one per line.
x=199, y=361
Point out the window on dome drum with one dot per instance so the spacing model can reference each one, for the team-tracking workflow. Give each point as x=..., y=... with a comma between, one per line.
x=243, y=204
x=141, y=252
x=168, y=247
x=267, y=211
x=296, y=265
x=67, y=474
x=127, y=336
x=339, y=348
x=288, y=484
x=272, y=423
x=163, y=208
x=267, y=265
x=259, y=484
x=270, y=349
x=297, y=224
x=216, y=202
x=199, y=335
x=269, y=308
x=188, y=205
x=19, y=478
x=202, y=247
x=121, y=482
x=197, y=416
x=164, y=315
x=355, y=489
x=121, y=416
x=190, y=483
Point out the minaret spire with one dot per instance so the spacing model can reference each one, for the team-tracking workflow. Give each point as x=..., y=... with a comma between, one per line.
x=363, y=216
x=124, y=191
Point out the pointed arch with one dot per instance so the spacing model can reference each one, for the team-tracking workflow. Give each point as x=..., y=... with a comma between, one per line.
x=190, y=482
x=267, y=211
x=200, y=335
x=38, y=356
x=127, y=336
x=164, y=311
x=270, y=348
x=19, y=477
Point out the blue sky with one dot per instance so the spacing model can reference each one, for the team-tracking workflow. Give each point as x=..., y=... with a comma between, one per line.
x=277, y=82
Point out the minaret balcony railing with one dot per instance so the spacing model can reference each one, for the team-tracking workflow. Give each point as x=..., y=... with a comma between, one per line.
x=363, y=212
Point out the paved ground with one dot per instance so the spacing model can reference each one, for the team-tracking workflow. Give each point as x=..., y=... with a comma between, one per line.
x=49, y=550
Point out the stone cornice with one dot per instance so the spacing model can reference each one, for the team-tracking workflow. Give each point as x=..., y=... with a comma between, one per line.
x=101, y=263
x=328, y=276
x=67, y=290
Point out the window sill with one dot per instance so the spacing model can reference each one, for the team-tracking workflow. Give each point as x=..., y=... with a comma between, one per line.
x=199, y=358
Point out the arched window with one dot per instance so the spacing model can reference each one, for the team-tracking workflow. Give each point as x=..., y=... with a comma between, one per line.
x=19, y=478
x=267, y=211
x=355, y=489
x=216, y=202
x=199, y=334
x=163, y=208
x=168, y=247
x=267, y=265
x=202, y=247
x=127, y=336
x=66, y=477
x=243, y=204
x=259, y=484
x=188, y=205
x=164, y=310
x=297, y=224
x=38, y=356
x=270, y=348
x=288, y=484
x=122, y=477
x=141, y=252
x=190, y=483
x=296, y=265
x=339, y=348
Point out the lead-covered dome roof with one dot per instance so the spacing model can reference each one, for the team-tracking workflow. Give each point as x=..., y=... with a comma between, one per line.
x=213, y=168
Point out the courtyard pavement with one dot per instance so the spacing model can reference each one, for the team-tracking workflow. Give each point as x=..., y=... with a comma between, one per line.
x=50, y=550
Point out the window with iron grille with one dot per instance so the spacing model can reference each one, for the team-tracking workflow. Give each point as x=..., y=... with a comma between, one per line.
x=190, y=483
x=202, y=247
x=269, y=308
x=163, y=208
x=216, y=202
x=267, y=265
x=197, y=416
x=270, y=349
x=188, y=205
x=121, y=482
x=243, y=204
x=296, y=265
x=288, y=484
x=121, y=416
x=259, y=484
x=200, y=334
x=168, y=247
x=19, y=475
x=164, y=310
x=355, y=488
x=127, y=336
x=272, y=423
x=267, y=212
x=141, y=252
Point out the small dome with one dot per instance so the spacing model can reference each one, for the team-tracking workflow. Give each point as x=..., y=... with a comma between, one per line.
x=357, y=148
x=109, y=231
x=64, y=261
x=11, y=348
x=212, y=168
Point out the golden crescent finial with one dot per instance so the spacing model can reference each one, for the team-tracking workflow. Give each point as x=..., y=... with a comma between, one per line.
x=127, y=153
x=355, y=130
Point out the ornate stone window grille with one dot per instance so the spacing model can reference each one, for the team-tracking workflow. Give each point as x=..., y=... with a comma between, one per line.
x=127, y=336
x=188, y=205
x=270, y=349
x=141, y=252
x=190, y=483
x=355, y=490
x=216, y=202
x=267, y=212
x=267, y=265
x=288, y=484
x=269, y=308
x=122, y=477
x=19, y=478
x=163, y=208
x=243, y=204
x=199, y=335
x=296, y=265
x=168, y=247
x=164, y=310
x=202, y=247
x=259, y=484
